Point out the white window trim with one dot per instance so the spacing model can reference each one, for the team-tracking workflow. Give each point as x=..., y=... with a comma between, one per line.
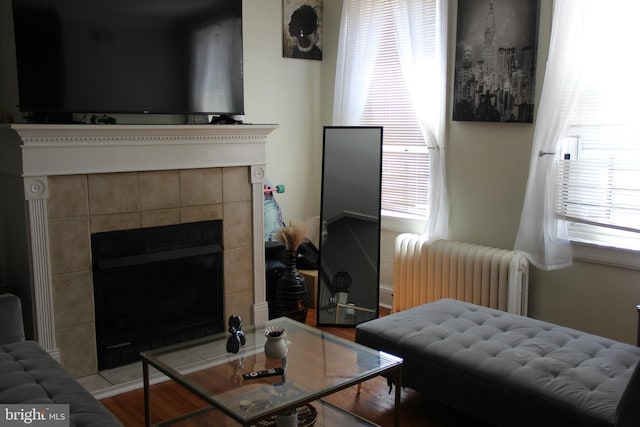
x=606, y=255
x=398, y=224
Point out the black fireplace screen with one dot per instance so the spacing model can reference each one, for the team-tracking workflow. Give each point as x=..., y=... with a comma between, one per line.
x=156, y=286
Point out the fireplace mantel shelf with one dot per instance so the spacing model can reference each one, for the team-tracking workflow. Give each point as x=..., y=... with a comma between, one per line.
x=77, y=149
x=127, y=134
x=35, y=152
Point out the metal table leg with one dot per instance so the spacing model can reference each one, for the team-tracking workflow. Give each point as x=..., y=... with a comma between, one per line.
x=398, y=381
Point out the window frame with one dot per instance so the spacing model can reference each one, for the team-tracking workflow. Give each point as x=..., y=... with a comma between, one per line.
x=408, y=138
x=606, y=255
x=595, y=243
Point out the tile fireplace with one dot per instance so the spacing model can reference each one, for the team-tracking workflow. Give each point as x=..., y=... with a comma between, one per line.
x=78, y=180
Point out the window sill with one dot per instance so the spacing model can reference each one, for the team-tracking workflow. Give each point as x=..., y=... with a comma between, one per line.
x=399, y=224
x=607, y=255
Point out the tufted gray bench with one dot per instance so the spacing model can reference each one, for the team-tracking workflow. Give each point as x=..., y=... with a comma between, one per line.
x=511, y=370
x=29, y=375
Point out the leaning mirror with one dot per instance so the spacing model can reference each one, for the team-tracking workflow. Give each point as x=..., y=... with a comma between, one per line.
x=348, y=291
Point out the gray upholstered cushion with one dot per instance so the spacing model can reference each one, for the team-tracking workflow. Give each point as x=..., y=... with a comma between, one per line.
x=509, y=369
x=11, y=326
x=28, y=374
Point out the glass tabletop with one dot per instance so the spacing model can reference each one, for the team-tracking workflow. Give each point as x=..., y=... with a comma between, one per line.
x=317, y=364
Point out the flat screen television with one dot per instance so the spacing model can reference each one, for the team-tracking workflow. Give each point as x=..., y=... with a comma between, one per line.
x=129, y=56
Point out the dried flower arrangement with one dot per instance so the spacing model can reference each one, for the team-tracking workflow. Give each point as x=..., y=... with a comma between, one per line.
x=291, y=235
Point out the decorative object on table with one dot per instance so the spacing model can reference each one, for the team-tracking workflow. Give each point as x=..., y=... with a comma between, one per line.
x=291, y=291
x=276, y=345
x=237, y=338
x=498, y=41
x=307, y=417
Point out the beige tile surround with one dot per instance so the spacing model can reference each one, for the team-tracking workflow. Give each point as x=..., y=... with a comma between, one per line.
x=79, y=205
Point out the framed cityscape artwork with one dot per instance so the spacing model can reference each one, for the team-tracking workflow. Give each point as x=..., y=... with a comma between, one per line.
x=495, y=63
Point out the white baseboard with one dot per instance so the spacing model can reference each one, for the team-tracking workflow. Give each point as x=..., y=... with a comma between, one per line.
x=386, y=296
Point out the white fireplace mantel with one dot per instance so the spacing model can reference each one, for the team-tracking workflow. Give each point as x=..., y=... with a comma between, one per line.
x=78, y=149
x=47, y=150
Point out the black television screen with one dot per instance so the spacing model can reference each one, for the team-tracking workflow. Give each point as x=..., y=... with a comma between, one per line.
x=129, y=56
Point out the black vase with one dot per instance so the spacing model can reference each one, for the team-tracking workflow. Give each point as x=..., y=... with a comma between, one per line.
x=291, y=292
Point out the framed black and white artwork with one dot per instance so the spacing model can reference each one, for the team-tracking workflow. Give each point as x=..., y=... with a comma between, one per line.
x=302, y=29
x=495, y=62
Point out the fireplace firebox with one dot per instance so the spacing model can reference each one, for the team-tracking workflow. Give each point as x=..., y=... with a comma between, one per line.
x=156, y=286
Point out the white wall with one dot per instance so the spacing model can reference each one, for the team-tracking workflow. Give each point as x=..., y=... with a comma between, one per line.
x=488, y=163
x=487, y=172
x=287, y=92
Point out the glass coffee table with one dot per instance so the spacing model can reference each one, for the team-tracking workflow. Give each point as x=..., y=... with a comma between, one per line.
x=317, y=365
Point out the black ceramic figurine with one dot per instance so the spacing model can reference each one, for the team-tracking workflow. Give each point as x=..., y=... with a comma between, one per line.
x=236, y=339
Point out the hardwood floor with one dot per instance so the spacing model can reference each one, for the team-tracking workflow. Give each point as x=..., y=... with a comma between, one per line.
x=374, y=402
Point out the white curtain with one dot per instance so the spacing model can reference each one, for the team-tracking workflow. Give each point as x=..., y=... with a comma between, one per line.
x=541, y=235
x=357, y=48
x=425, y=75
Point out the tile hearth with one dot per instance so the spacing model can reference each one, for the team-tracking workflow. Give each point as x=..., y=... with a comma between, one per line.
x=111, y=382
x=129, y=377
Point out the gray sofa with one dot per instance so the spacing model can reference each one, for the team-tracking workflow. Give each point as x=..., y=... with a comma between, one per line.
x=29, y=375
x=511, y=370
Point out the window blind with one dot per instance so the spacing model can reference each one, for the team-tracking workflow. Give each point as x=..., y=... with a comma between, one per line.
x=598, y=183
x=406, y=163
x=603, y=191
